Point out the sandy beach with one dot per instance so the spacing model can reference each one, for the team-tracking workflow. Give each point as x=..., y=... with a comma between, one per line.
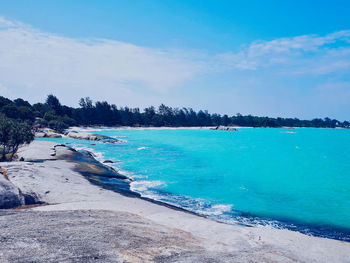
x=82, y=222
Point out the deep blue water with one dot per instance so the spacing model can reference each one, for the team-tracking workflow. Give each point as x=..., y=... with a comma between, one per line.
x=297, y=179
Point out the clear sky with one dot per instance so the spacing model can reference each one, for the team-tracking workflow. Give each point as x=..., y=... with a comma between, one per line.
x=275, y=58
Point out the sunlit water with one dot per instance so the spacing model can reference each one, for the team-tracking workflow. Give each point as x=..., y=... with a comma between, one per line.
x=297, y=179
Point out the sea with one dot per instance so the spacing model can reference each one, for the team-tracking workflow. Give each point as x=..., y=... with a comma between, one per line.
x=297, y=179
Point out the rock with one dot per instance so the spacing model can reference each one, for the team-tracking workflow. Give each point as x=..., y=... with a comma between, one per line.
x=47, y=133
x=10, y=195
x=31, y=199
x=53, y=135
x=21, y=159
x=224, y=128
x=91, y=137
x=108, y=161
x=40, y=134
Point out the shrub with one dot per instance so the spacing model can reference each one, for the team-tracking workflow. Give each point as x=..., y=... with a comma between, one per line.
x=58, y=125
x=13, y=134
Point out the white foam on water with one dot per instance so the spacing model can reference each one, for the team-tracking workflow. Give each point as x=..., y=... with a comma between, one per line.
x=216, y=210
x=144, y=186
x=142, y=148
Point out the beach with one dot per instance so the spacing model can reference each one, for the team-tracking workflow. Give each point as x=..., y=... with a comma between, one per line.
x=80, y=221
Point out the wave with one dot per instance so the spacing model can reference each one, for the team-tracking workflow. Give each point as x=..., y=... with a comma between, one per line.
x=226, y=213
x=142, y=148
x=145, y=186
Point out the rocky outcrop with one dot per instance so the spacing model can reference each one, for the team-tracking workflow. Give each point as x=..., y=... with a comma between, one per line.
x=91, y=137
x=10, y=195
x=224, y=128
x=47, y=133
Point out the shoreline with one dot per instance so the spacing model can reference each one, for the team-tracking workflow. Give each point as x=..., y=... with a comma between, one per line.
x=241, y=218
x=70, y=191
x=106, y=128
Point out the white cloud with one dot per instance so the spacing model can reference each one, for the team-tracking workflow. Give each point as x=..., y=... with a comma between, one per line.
x=32, y=61
x=308, y=54
x=35, y=63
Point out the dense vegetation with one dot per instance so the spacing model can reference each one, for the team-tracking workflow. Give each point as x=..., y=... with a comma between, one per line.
x=59, y=117
x=13, y=134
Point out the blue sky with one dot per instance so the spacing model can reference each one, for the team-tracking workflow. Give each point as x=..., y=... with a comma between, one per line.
x=275, y=58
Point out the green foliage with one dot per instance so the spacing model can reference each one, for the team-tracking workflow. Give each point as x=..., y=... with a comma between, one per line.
x=10, y=110
x=58, y=117
x=4, y=101
x=58, y=125
x=20, y=102
x=41, y=109
x=54, y=104
x=26, y=113
x=50, y=116
x=13, y=134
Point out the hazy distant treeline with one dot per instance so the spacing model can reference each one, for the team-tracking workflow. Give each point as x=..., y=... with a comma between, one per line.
x=53, y=114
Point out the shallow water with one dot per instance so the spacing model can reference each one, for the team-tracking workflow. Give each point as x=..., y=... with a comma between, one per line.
x=298, y=178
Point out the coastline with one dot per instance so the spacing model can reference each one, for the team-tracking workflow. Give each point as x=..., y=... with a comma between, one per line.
x=58, y=182
x=239, y=218
x=221, y=212
x=106, y=128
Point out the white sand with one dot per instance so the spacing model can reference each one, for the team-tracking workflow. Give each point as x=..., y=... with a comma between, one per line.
x=64, y=189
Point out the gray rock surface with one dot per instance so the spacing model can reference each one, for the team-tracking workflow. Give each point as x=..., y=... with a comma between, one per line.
x=97, y=236
x=10, y=195
x=92, y=137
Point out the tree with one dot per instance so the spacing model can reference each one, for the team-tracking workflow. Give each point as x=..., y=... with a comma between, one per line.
x=13, y=134
x=54, y=103
x=40, y=109
x=60, y=116
x=20, y=102
x=11, y=111
x=25, y=113
x=58, y=125
x=4, y=101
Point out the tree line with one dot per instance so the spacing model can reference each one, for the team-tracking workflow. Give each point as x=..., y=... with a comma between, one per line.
x=53, y=114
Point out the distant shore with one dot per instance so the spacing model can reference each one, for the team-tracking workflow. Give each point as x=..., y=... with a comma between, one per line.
x=100, y=128
x=59, y=176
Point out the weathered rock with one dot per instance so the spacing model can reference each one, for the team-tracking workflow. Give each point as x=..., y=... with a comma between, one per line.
x=40, y=134
x=91, y=137
x=10, y=195
x=47, y=133
x=224, y=128
x=53, y=135
x=96, y=236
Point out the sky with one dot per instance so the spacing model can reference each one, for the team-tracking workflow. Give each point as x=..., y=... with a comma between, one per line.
x=260, y=57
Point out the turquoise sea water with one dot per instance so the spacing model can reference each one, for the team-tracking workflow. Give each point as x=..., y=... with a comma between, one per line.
x=297, y=178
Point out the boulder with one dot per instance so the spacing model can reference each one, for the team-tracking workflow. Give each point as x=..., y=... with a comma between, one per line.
x=224, y=128
x=47, y=133
x=91, y=137
x=40, y=134
x=53, y=135
x=10, y=195
x=108, y=161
